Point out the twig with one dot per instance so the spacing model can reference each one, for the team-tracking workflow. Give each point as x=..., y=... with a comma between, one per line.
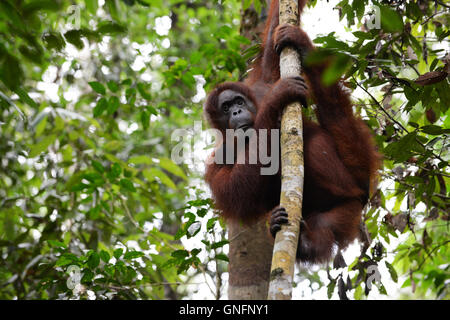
x=136, y=224
x=429, y=255
x=392, y=119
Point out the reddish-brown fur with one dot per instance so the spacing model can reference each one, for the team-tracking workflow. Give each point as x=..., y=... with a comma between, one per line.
x=340, y=158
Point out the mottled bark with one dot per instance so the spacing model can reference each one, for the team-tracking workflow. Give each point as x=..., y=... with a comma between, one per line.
x=250, y=256
x=292, y=166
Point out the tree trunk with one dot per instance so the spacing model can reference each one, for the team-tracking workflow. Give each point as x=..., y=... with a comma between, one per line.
x=250, y=256
x=292, y=172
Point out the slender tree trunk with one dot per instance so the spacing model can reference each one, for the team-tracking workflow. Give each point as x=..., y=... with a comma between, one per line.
x=292, y=172
x=250, y=256
x=250, y=247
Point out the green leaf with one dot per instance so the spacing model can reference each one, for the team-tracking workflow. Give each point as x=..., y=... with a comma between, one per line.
x=199, y=202
x=392, y=271
x=24, y=97
x=74, y=37
x=358, y=7
x=257, y=5
x=88, y=275
x=101, y=106
x=56, y=244
x=130, y=94
x=330, y=288
x=210, y=224
x=222, y=256
x=191, y=218
x=116, y=170
x=41, y=127
x=143, y=91
x=92, y=6
x=65, y=259
x=172, y=167
x=188, y=79
x=94, y=213
x=413, y=9
x=133, y=255
x=332, y=42
x=54, y=41
x=219, y=244
x=41, y=146
x=358, y=292
x=118, y=253
x=10, y=13
x=195, y=57
x=145, y=119
x=336, y=69
x=434, y=130
x=111, y=28
x=127, y=185
x=382, y=289
x=126, y=82
x=98, y=166
x=32, y=53
x=113, y=145
x=362, y=35
x=180, y=233
x=152, y=110
x=111, y=6
x=11, y=72
x=201, y=212
x=180, y=254
x=434, y=64
x=401, y=150
x=93, y=261
x=140, y=160
x=112, y=85
x=152, y=173
x=67, y=153
x=36, y=5
x=113, y=105
x=391, y=21
x=97, y=87
x=246, y=4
